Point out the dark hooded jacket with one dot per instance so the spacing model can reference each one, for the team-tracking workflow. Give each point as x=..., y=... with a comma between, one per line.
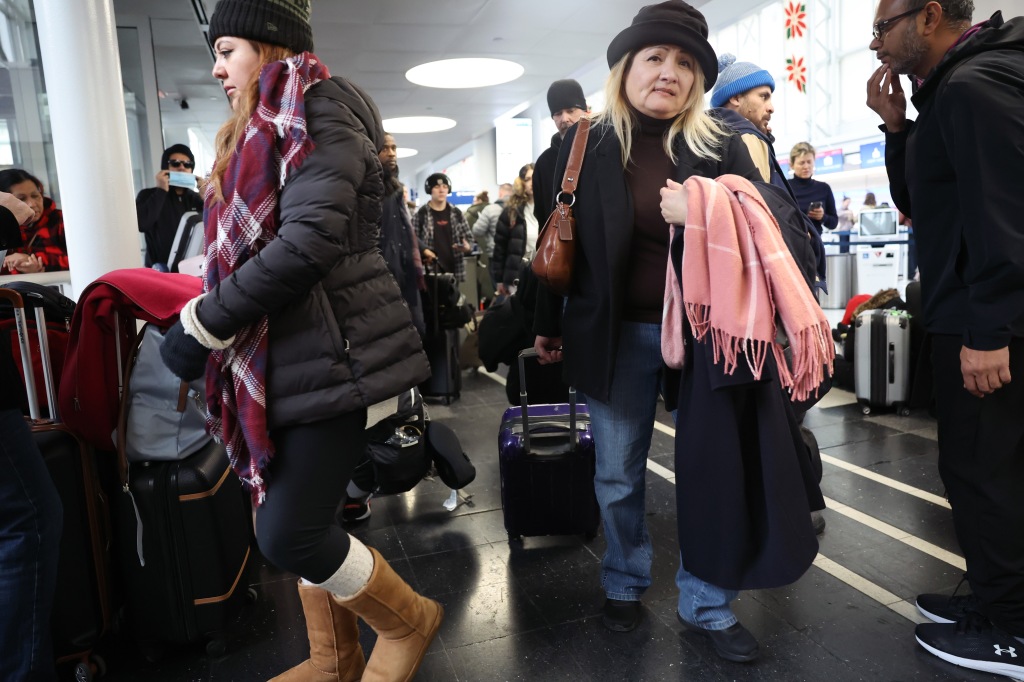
x=957, y=171
x=340, y=333
x=544, y=183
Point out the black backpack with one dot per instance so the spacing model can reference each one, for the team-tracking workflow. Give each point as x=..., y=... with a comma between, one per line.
x=445, y=450
x=396, y=450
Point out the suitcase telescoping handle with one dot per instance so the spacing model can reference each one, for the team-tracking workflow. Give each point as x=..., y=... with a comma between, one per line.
x=21, y=323
x=532, y=353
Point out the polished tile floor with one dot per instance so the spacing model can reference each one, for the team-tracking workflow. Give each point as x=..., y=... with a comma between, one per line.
x=530, y=611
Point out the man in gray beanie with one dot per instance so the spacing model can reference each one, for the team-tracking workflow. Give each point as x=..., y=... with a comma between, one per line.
x=567, y=105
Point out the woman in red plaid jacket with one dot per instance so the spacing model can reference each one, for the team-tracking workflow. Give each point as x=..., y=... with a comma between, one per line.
x=43, y=248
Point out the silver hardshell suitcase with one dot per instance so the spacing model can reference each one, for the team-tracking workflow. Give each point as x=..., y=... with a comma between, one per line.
x=882, y=360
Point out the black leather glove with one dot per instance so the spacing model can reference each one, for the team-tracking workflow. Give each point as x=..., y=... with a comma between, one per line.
x=182, y=354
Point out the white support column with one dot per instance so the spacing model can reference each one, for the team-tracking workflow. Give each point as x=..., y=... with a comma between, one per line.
x=78, y=45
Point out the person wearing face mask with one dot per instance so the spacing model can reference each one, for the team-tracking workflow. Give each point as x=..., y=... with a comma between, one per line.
x=815, y=198
x=567, y=105
x=160, y=208
x=43, y=247
x=301, y=328
x=653, y=134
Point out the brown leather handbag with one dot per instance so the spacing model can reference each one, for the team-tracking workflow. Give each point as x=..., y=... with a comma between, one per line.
x=556, y=245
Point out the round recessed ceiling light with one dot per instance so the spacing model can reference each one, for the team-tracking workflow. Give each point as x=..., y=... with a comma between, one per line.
x=417, y=124
x=473, y=72
x=406, y=152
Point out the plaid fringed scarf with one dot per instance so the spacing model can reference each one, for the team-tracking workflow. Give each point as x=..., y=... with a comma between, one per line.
x=737, y=275
x=274, y=144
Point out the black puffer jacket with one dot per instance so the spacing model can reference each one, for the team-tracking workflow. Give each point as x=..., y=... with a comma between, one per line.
x=509, y=246
x=341, y=336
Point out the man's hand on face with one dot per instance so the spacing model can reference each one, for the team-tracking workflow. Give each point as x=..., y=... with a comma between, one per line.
x=886, y=98
x=163, y=180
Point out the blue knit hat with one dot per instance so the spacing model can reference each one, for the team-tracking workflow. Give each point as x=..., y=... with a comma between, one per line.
x=735, y=78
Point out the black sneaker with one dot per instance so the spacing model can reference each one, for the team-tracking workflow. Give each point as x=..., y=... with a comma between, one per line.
x=355, y=510
x=974, y=642
x=619, y=615
x=942, y=608
x=734, y=643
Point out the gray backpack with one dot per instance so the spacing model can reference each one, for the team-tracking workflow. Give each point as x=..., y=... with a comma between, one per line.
x=164, y=417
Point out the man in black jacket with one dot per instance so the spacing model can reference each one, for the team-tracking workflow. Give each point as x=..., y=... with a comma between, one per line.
x=160, y=208
x=956, y=171
x=567, y=105
x=397, y=238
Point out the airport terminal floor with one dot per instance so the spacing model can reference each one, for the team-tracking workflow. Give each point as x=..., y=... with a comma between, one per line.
x=530, y=610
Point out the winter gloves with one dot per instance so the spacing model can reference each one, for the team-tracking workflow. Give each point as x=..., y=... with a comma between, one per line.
x=182, y=354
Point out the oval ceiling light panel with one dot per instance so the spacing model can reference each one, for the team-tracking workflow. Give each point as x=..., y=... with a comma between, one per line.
x=417, y=124
x=473, y=72
x=406, y=152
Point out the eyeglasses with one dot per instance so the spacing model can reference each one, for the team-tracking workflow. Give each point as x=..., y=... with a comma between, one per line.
x=881, y=28
x=175, y=163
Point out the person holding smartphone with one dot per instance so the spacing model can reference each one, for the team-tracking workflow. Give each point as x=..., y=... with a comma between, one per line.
x=160, y=208
x=814, y=197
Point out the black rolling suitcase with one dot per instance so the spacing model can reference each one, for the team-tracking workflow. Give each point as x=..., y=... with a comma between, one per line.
x=546, y=460
x=185, y=532
x=82, y=606
x=442, y=349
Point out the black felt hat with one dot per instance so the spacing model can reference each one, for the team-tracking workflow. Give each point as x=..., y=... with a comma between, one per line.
x=672, y=22
x=275, y=22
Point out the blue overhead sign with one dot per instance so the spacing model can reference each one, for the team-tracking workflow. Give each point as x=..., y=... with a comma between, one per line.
x=872, y=155
x=828, y=161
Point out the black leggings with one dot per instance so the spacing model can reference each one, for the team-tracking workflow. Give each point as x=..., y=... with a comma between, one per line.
x=296, y=528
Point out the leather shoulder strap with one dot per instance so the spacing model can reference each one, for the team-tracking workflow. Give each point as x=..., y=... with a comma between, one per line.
x=579, y=148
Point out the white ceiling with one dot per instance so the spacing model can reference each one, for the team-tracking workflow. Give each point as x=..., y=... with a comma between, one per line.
x=374, y=42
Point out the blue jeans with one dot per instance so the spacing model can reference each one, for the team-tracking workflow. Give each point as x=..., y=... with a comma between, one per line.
x=31, y=519
x=623, y=428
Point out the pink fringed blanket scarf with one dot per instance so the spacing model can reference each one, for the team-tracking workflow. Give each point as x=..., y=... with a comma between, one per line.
x=737, y=277
x=274, y=144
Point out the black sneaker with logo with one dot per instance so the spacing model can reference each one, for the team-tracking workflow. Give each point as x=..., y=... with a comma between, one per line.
x=974, y=642
x=942, y=608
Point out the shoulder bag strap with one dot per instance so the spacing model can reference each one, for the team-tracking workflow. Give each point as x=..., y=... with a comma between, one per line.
x=579, y=148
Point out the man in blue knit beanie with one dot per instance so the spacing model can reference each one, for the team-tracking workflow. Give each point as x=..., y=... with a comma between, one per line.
x=747, y=89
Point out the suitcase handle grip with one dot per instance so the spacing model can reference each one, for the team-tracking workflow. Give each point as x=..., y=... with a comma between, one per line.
x=18, y=305
x=524, y=408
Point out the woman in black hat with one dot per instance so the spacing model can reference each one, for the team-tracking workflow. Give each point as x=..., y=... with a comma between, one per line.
x=653, y=129
x=302, y=327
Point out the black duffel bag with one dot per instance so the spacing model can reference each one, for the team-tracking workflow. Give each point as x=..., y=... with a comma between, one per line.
x=396, y=453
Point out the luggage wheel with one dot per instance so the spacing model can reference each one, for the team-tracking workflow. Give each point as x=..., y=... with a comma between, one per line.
x=216, y=647
x=513, y=537
x=904, y=411
x=865, y=409
x=86, y=671
x=252, y=595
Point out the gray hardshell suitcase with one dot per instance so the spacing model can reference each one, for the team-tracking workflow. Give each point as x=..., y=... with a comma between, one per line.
x=882, y=360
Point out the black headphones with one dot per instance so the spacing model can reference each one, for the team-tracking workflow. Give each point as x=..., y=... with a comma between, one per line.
x=433, y=179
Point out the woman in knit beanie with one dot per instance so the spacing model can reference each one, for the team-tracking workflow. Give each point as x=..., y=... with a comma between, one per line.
x=293, y=355
x=653, y=135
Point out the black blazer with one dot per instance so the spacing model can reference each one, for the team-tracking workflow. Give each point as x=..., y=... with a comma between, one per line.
x=604, y=220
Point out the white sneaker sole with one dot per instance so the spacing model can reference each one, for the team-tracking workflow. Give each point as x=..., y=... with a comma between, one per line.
x=1014, y=672
x=931, y=616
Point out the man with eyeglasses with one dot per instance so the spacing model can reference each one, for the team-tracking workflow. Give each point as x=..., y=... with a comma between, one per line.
x=160, y=208
x=957, y=171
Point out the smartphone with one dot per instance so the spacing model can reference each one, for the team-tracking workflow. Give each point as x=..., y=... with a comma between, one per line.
x=815, y=204
x=179, y=179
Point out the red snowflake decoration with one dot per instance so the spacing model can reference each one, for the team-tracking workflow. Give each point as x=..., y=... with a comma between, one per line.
x=797, y=73
x=796, y=13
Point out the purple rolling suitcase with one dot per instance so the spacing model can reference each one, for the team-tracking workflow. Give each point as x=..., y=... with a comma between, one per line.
x=546, y=462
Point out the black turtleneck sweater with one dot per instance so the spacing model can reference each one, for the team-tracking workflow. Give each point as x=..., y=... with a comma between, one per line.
x=649, y=167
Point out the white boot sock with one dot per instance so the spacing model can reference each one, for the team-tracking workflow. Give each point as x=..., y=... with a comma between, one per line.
x=353, y=573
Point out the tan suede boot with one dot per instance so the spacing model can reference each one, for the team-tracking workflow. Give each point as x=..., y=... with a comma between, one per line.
x=334, y=651
x=404, y=621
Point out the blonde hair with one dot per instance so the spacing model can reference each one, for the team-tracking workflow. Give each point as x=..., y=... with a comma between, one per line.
x=233, y=129
x=799, y=149
x=518, y=198
x=701, y=133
